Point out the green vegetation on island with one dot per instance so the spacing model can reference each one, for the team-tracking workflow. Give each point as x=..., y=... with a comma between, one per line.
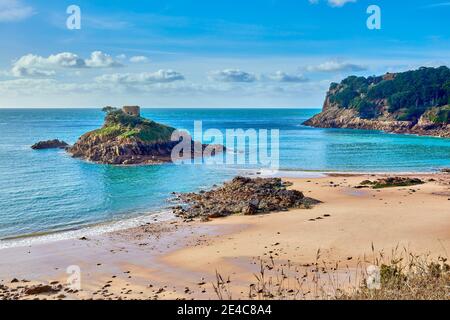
x=121, y=125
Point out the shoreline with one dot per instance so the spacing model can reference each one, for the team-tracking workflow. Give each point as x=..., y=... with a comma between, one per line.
x=160, y=260
x=94, y=229
x=375, y=127
x=159, y=215
x=104, y=227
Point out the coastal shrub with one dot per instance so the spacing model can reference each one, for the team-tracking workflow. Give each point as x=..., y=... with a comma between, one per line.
x=121, y=118
x=121, y=125
x=152, y=131
x=442, y=115
x=344, y=97
x=392, y=275
x=110, y=131
x=366, y=109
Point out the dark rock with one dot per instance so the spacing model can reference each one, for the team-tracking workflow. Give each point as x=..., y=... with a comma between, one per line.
x=241, y=196
x=41, y=289
x=392, y=182
x=49, y=144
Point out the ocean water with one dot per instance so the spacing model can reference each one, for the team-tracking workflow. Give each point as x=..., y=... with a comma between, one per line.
x=47, y=191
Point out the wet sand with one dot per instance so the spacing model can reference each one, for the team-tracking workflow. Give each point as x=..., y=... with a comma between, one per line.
x=171, y=260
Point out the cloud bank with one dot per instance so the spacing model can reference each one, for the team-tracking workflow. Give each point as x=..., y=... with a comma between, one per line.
x=139, y=59
x=335, y=66
x=160, y=76
x=232, y=75
x=281, y=76
x=38, y=66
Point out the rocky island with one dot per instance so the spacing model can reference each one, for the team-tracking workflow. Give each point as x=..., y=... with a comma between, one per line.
x=50, y=144
x=412, y=102
x=126, y=138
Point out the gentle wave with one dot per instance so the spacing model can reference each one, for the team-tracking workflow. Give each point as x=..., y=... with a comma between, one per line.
x=86, y=231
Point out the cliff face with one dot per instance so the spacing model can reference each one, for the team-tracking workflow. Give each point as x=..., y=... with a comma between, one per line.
x=414, y=102
x=125, y=140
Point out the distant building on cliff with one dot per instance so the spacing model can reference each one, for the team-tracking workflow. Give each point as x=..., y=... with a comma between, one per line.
x=389, y=76
x=132, y=110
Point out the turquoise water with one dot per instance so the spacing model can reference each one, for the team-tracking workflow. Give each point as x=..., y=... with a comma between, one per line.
x=43, y=191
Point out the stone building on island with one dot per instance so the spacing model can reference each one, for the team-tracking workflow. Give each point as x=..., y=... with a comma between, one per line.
x=132, y=110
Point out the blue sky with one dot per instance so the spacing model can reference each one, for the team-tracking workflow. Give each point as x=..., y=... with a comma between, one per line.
x=175, y=53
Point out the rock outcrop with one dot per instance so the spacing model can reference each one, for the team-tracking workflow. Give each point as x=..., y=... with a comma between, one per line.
x=414, y=102
x=49, y=144
x=241, y=196
x=391, y=182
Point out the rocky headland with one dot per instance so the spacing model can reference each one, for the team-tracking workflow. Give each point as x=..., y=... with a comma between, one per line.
x=242, y=195
x=413, y=102
x=126, y=138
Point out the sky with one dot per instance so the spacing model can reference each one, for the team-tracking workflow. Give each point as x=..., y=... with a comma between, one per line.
x=198, y=53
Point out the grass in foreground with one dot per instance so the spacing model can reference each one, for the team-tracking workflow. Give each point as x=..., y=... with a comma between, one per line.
x=401, y=276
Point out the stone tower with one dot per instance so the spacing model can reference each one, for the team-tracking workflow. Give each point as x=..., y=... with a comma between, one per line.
x=132, y=110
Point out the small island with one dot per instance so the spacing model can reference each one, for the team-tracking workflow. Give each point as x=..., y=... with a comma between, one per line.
x=50, y=144
x=412, y=102
x=126, y=138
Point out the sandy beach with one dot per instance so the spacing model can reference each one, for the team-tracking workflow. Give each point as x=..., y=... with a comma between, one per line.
x=179, y=260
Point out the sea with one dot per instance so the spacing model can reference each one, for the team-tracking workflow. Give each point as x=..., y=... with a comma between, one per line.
x=47, y=195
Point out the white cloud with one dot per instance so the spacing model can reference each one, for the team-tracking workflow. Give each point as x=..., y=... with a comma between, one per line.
x=19, y=71
x=334, y=3
x=143, y=78
x=335, y=66
x=34, y=65
x=339, y=3
x=14, y=10
x=232, y=75
x=99, y=59
x=281, y=76
x=139, y=59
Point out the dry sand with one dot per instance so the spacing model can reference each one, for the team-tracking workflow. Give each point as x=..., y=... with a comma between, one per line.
x=179, y=260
